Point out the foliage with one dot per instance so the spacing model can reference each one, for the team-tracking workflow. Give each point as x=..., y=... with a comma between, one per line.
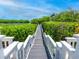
x=34, y=21
x=59, y=30
x=58, y=25
x=13, y=21
x=77, y=29
x=66, y=16
x=40, y=20
x=19, y=31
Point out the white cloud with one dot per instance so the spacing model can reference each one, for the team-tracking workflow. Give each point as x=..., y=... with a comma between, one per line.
x=7, y=3
x=11, y=4
x=25, y=10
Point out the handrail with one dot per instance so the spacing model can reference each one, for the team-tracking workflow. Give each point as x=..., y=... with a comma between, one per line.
x=20, y=45
x=10, y=49
x=67, y=51
x=50, y=46
x=59, y=44
x=53, y=42
x=26, y=41
x=20, y=50
x=56, y=50
x=67, y=46
x=1, y=37
x=27, y=46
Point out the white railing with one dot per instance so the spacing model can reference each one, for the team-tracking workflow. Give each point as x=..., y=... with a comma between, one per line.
x=51, y=46
x=27, y=46
x=20, y=50
x=11, y=51
x=77, y=46
x=57, y=50
x=1, y=48
x=67, y=51
x=16, y=50
x=62, y=49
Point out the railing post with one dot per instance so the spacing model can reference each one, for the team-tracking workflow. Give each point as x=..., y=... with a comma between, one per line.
x=71, y=55
x=67, y=51
x=1, y=48
x=20, y=50
x=77, y=46
x=71, y=41
x=16, y=52
x=1, y=51
x=58, y=50
x=27, y=46
x=63, y=52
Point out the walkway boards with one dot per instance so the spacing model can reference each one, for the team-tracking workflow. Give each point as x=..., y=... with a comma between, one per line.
x=38, y=50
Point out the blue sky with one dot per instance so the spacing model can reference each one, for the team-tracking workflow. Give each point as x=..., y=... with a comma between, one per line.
x=28, y=9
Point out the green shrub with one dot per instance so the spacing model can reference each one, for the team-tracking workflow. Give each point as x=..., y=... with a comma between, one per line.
x=13, y=21
x=59, y=30
x=19, y=31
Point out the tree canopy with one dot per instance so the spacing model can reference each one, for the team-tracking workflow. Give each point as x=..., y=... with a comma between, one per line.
x=65, y=16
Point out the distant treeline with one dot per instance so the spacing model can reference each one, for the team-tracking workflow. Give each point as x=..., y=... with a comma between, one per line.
x=64, y=16
x=13, y=21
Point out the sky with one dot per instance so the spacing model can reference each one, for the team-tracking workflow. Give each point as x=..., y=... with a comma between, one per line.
x=29, y=9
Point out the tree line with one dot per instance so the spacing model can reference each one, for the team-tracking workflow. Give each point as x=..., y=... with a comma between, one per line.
x=13, y=21
x=64, y=16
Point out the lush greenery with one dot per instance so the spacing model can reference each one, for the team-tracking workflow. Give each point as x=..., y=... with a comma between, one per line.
x=65, y=16
x=40, y=20
x=19, y=31
x=13, y=21
x=58, y=25
x=59, y=30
